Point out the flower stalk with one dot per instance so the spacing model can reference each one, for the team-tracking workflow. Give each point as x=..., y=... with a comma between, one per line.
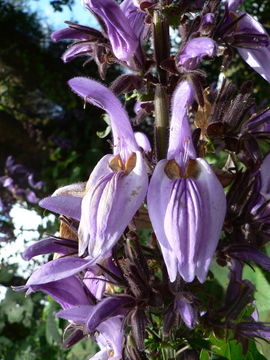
x=161, y=121
x=161, y=42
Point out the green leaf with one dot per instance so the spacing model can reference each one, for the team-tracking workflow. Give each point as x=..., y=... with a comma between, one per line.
x=220, y=274
x=262, y=292
x=253, y=353
x=204, y=355
x=52, y=325
x=17, y=308
x=103, y=134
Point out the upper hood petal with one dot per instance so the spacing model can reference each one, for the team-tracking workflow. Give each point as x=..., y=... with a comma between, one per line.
x=180, y=134
x=123, y=40
x=99, y=95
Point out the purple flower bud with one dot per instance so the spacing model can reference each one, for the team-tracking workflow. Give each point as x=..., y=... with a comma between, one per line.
x=142, y=141
x=192, y=53
x=187, y=310
x=207, y=22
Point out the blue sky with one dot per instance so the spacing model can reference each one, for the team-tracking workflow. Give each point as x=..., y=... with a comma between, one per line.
x=56, y=19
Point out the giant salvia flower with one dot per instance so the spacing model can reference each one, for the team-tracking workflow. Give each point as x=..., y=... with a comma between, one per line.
x=250, y=38
x=123, y=24
x=186, y=202
x=118, y=184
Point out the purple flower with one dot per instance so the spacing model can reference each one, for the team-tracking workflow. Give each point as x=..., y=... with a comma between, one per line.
x=186, y=202
x=252, y=329
x=250, y=38
x=265, y=177
x=118, y=184
x=192, y=53
x=234, y=4
x=187, y=310
x=110, y=339
x=85, y=39
x=123, y=24
x=142, y=141
x=259, y=123
x=105, y=319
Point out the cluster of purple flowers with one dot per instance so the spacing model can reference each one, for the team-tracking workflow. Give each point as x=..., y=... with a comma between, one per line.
x=21, y=186
x=107, y=282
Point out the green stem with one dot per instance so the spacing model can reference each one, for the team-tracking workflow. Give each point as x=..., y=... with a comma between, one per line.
x=162, y=121
x=161, y=43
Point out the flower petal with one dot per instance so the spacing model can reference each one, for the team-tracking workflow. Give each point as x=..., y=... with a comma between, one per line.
x=265, y=177
x=78, y=314
x=68, y=33
x=234, y=4
x=67, y=292
x=77, y=50
x=158, y=198
x=108, y=308
x=111, y=201
x=214, y=209
x=180, y=134
x=67, y=205
x=193, y=52
x=49, y=246
x=111, y=331
x=187, y=311
x=183, y=225
x=258, y=58
x=142, y=141
x=123, y=40
x=134, y=16
x=99, y=95
x=58, y=269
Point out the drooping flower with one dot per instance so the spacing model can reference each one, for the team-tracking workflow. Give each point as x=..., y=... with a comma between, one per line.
x=250, y=38
x=123, y=24
x=186, y=202
x=118, y=184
